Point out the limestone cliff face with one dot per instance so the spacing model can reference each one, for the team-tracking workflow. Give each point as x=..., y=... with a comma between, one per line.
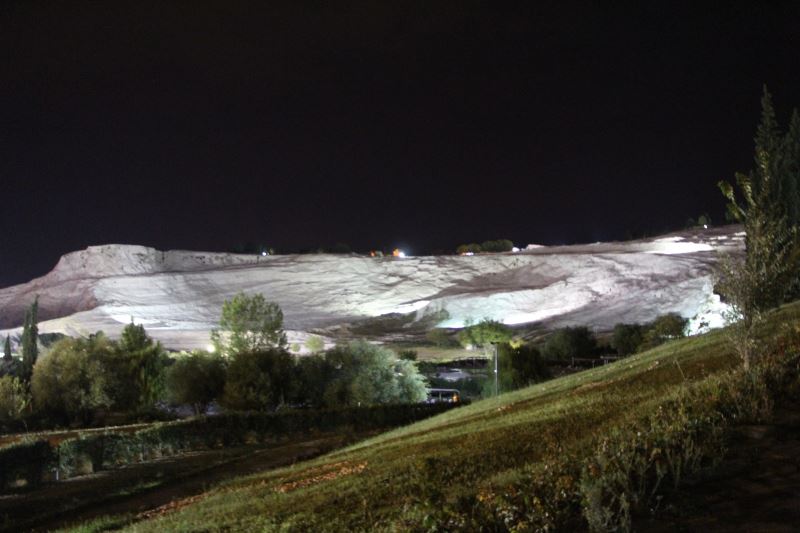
x=177, y=295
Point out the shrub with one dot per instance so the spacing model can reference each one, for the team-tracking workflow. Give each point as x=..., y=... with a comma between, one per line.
x=71, y=382
x=196, y=379
x=566, y=343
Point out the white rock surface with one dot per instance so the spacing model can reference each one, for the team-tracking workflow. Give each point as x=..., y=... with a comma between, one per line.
x=177, y=295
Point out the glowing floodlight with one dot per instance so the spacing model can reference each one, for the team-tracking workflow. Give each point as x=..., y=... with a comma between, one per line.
x=263, y=254
x=398, y=253
x=705, y=226
x=515, y=249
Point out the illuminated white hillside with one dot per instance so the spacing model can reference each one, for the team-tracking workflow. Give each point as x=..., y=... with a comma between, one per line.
x=177, y=295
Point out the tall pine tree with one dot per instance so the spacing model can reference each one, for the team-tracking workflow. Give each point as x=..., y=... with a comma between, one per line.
x=7, y=349
x=770, y=210
x=30, y=338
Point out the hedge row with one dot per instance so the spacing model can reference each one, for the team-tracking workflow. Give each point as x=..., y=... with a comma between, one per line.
x=91, y=452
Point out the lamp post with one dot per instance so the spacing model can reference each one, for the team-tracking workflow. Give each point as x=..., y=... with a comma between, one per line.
x=496, y=387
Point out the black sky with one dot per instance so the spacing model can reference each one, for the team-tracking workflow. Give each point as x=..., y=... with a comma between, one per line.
x=202, y=125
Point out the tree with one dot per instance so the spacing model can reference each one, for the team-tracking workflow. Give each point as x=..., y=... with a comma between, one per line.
x=71, y=381
x=315, y=344
x=484, y=334
x=500, y=245
x=566, y=343
x=249, y=324
x=136, y=370
x=770, y=212
x=769, y=208
x=196, y=379
x=30, y=336
x=313, y=373
x=366, y=374
x=259, y=380
x=627, y=338
x=7, y=349
x=520, y=366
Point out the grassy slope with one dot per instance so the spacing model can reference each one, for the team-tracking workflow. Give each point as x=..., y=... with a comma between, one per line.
x=474, y=446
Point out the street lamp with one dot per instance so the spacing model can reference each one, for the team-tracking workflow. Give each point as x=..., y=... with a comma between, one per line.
x=496, y=374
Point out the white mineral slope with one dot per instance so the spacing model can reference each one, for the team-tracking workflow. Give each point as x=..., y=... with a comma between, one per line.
x=178, y=295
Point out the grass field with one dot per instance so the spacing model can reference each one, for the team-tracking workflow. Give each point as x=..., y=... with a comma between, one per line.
x=467, y=452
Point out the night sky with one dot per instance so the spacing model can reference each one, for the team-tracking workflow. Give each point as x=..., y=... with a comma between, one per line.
x=199, y=125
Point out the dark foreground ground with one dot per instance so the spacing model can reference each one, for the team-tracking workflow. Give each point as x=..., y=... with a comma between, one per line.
x=756, y=489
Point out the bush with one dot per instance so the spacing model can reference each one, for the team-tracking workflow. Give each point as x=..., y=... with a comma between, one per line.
x=259, y=380
x=196, y=379
x=566, y=343
x=72, y=382
x=627, y=338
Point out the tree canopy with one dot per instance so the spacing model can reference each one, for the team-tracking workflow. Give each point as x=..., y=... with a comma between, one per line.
x=485, y=333
x=249, y=324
